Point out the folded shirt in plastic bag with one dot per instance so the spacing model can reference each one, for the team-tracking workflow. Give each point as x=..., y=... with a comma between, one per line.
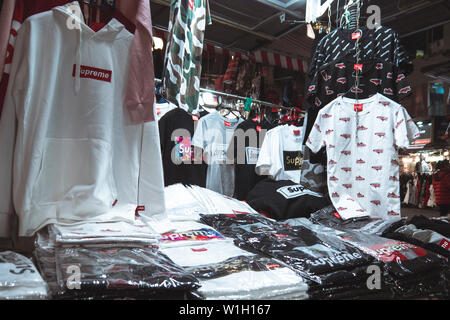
x=408, y=270
x=104, y=232
x=227, y=272
x=329, y=217
x=189, y=233
x=102, y=271
x=19, y=278
x=322, y=259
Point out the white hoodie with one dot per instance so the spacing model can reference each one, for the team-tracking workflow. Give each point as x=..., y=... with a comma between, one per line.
x=68, y=148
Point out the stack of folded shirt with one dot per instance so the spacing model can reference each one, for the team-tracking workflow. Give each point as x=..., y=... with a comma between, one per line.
x=19, y=278
x=105, y=233
x=227, y=272
x=121, y=272
x=333, y=268
x=431, y=234
x=407, y=270
x=329, y=217
x=188, y=202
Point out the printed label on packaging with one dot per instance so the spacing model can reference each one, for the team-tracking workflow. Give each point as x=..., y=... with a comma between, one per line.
x=445, y=244
x=192, y=235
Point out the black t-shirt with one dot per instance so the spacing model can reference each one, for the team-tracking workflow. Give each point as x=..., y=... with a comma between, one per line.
x=282, y=200
x=176, y=129
x=338, y=78
x=381, y=43
x=244, y=151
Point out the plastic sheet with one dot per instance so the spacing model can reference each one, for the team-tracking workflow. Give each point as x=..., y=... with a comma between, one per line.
x=19, y=278
x=407, y=270
x=320, y=258
x=118, y=268
x=329, y=217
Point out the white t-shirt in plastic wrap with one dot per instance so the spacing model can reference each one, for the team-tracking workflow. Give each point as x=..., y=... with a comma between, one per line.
x=281, y=154
x=213, y=135
x=362, y=151
x=19, y=278
x=275, y=282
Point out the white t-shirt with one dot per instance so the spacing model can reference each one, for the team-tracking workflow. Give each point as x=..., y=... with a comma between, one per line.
x=363, y=167
x=281, y=154
x=213, y=134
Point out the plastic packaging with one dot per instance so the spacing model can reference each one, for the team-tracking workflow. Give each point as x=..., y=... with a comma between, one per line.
x=19, y=278
x=108, y=270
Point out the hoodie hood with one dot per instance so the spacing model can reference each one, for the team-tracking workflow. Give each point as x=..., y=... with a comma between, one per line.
x=72, y=16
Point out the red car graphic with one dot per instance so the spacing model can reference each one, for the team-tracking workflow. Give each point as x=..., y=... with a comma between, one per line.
x=346, y=169
x=359, y=178
x=357, y=90
x=347, y=185
x=378, y=168
x=325, y=76
x=326, y=115
x=380, y=134
x=329, y=131
x=342, y=80
x=346, y=136
x=393, y=213
x=376, y=82
x=382, y=118
x=344, y=119
x=385, y=103
x=379, y=151
x=393, y=178
x=405, y=90
x=329, y=91
x=379, y=66
x=360, y=161
x=388, y=91
x=393, y=195
x=362, y=144
x=332, y=162
x=376, y=202
x=341, y=208
x=400, y=77
x=335, y=195
x=318, y=102
x=375, y=185
x=390, y=75
x=360, y=195
x=362, y=128
x=340, y=65
x=311, y=88
x=317, y=127
x=333, y=178
x=331, y=146
x=346, y=153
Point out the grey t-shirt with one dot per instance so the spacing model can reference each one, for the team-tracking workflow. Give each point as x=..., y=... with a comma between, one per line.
x=213, y=134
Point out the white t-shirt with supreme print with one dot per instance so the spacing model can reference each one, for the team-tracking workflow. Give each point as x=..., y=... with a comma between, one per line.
x=362, y=149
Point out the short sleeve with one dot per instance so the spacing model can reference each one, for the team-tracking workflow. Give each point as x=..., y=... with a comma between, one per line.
x=403, y=88
x=265, y=165
x=406, y=130
x=316, y=139
x=199, y=135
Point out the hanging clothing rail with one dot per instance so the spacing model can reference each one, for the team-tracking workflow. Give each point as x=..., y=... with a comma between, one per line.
x=229, y=95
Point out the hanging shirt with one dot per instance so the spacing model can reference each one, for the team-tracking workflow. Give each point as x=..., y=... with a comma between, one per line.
x=244, y=152
x=183, y=63
x=381, y=43
x=362, y=150
x=337, y=78
x=176, y=129
x=213, y=135
x=74, y=154
x=281, y=154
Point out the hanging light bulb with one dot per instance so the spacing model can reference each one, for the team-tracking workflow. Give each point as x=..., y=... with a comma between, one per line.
x=158, y=43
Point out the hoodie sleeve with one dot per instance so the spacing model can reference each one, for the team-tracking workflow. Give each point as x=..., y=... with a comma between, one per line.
x=140, y=90
x=16, y=98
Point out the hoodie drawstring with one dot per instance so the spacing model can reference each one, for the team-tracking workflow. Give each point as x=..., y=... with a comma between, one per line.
x=77, y=80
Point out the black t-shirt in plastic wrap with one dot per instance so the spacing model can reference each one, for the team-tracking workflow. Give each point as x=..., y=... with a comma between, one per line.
x=323, y=260
x=122, y=270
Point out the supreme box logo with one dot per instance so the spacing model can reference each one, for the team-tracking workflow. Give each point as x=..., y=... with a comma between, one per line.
x=93, y=73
